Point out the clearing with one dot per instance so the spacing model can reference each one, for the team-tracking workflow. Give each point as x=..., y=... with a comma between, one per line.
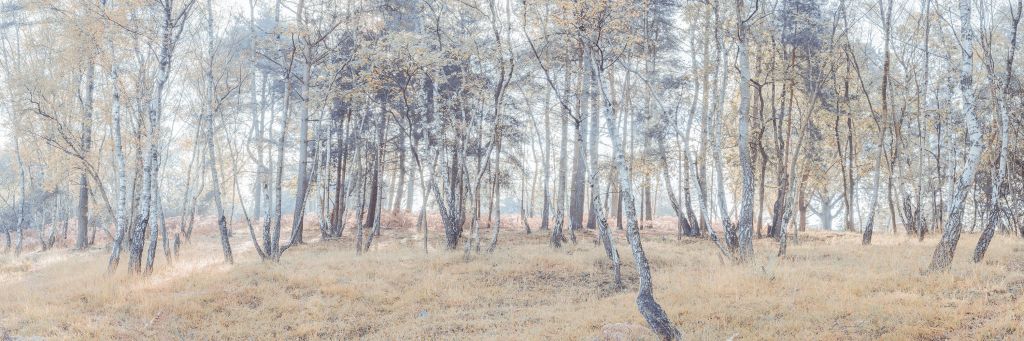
x=829, y=287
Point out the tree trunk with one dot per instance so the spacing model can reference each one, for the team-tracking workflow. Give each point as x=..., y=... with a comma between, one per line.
x=371, y=217
x=763, y=170
x=257, y=115
x=745, y=225
x=870, y=221
x=604, y=232
x=546, y=211
x=409, y=183
x=655, y=316
x=577, y=196
x=400, y=186
x=595, y=126
x=563, y=169
x=23, y=200
x=83, y=190
x=716, y=147
x=1004, y=122
x=225, y=242
x=154, y=228
x=274, y=250
x=682, y=225
x=496, y=193
x=947, y=246
x=341, y=193
x=150, y=167
x=119, y=162
x=302, y=182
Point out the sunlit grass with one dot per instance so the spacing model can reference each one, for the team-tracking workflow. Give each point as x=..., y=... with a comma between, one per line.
x=828, y=287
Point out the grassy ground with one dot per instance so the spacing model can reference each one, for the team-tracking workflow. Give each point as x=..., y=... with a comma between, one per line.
x=829, y=287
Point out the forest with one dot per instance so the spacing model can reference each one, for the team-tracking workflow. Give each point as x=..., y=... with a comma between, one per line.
x=511, y=169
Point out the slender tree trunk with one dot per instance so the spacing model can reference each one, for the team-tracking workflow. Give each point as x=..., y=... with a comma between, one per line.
x=595, y=126
x=187, y=206
x=947, y=246
x=716, y=148
x=154, y=228
x=655, y=316
x=546, y=211
x=23, y=200
x=496, y=193
x=577, y=196
x=410, y=183
x=563, y=170
x=682, y=225
x=163, y=230
x=119, y=162
x=257, y=115
x=275, y=237
x=522, y=206
x=400, y=186
x=923, y=226
x=150, y=167
x=340, y=194
x=274, y=248
x=870, y=223
x=604, y=232
x=723, y=208
x=375, y=200
x=745, y=228
x=422, y=220
x=375, y=230
x=359, y=213
x=763, y=168
x=1004, y=136
x=212, y=160
x=83, y=190
x=801, y=203
x=301, y=190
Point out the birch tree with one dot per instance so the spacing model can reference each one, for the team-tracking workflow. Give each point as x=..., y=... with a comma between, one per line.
x=943, y=255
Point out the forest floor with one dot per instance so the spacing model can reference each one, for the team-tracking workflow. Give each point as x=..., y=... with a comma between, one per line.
x=828, y=287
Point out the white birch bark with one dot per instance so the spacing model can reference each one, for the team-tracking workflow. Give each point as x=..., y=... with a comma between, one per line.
x=746, y=218
x=212, y=160
x=943, y=255
x=994, y=209
x=655, y=316
x=119, y=163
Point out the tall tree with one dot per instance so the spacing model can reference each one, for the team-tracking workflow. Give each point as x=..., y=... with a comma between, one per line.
x=212, y=161
x=1004, y=122
x=746, y=218
x=171, y=25
x=943, y=255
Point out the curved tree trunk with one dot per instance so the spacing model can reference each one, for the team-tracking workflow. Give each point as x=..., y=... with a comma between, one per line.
x=655, y=316
x=682, y=225
x=604, y=232
x=943, y=255
x=1004, y=122
x=151, y=163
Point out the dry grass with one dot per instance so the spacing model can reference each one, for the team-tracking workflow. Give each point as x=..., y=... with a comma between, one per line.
x=830, y=287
